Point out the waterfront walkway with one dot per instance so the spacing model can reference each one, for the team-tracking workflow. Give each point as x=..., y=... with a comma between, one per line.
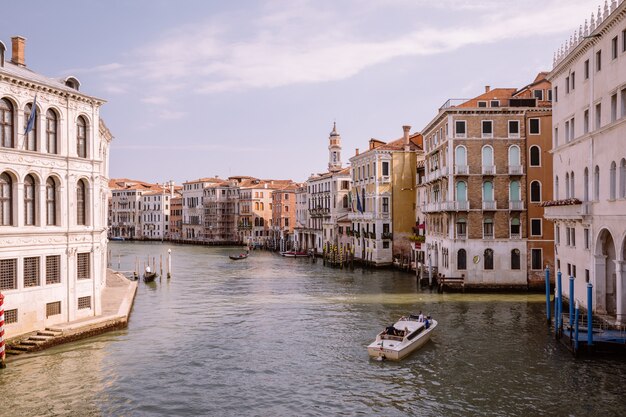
x=117, y=300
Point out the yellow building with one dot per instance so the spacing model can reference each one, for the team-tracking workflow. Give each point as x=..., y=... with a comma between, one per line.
x=383, y=198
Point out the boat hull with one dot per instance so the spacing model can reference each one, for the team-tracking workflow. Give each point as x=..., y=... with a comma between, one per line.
x=397, y=350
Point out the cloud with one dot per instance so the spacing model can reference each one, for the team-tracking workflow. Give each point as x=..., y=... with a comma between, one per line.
x=298, y=42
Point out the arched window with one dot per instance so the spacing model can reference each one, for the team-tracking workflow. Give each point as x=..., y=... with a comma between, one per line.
x=51, y=131
x=488, y=259
x=535, y=156
x=261, y=221
x=345, y=201
x=487, y=154
x=515, y=228
x=567, y=185
x=487, y=191
x=515, y=191
x=586, y=184
x=363, y=200
x=535, y=191
x=556, y=187
x=81, y=208
x=622, y=179
x=81, y=137
x=6, y=123
x=613, y=181
x=51, y=202
x=30, y=141
x=461, y=259
x=461, y=191
x=6, y=200
x=515, y=259
x=262, y=206
x=596, y=183
x=460, y=155
x=29, y=201
x=256, y=205
x=256, y=221
x=572, y=186
x=514, y=156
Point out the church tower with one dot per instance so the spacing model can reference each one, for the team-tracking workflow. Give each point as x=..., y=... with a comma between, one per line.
x=334, y=150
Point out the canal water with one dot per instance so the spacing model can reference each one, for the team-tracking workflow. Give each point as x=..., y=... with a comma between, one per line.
x=284, y=337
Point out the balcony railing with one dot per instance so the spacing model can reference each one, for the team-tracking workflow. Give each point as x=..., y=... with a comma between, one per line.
x=461, y=235
x=516, y=205
x=385, y=179
x=387, y=235
x=516, y=235
x=461, y=169
x=516, y=170
x=489, y=205
x=489, y=169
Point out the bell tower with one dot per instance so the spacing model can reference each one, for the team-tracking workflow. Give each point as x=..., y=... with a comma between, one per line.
x=334, y=150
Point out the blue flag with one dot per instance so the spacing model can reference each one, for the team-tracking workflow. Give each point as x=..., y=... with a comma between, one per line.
x=31, y=119
x=358, y=203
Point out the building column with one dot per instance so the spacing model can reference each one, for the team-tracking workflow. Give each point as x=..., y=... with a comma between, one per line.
x=600, y=283
x=620, y=298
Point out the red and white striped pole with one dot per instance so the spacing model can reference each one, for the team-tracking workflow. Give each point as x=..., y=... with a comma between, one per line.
x=2, y=354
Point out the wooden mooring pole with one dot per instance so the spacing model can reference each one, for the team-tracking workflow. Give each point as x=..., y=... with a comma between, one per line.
x=2, y=352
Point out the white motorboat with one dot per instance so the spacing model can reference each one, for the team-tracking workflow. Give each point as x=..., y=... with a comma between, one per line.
x=404, y=337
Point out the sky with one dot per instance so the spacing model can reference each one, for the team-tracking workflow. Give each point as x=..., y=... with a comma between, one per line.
x=203, y=88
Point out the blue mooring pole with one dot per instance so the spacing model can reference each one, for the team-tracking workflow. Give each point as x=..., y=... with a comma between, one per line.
x=589, y=315
x=576, y=329
x=571, y=301
x=558, y=305
x=548, y=294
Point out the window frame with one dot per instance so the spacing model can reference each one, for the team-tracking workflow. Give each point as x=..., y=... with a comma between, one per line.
x=533, y=222
x=530, y=124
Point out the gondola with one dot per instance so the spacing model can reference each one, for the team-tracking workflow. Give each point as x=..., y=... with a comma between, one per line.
x=238, y=257
x=148, y=275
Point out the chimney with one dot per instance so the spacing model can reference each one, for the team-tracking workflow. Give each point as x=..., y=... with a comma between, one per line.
x=487, y=88
x=17, y=56
x=357, y=152
x=406, y=130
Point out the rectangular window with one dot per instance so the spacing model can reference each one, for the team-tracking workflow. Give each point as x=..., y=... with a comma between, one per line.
x=10, y=316
x=53, y=309
x=538, y=94
x=549, y=95
x=8, y=274
x=614, y=48
x=514, y=128
x=31, y=272
x=573, y=77
x=533, y=126
x=624, y=40
x=598, y=115
x=385, y=204
x=557, y=235
x=488, y=229
x=84, y=302
x=556, y=94
x=573, y=271
x=385, y=244
x=586, y=70
x=482, y=104
x=535, y=227
x=536, y=259
x=494, y=103
x=82, y=265
x=572, y=134
x=623, y=97
x=586, y=275
x=586, y=121
x=487, y=129
x=572, y=239
x=459, y=129
x=556, y=137
x=567, y=237
x=566, y=85
x=385, y=168
x=614, y=107
x=569, y=270
x=599, y=60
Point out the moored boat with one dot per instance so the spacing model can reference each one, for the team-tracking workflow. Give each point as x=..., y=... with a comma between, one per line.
x=402, y=338
x=148, y=275
x=294, y=254
x=238, y=257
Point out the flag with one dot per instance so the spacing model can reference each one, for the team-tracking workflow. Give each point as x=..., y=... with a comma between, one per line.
x=31, y=119
x=358, y=203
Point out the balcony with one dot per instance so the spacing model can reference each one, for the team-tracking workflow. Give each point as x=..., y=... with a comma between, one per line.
x=516, y=170
x=516, y=205
x=385, y=179
x=516, y=236
x=568, y=212
x=489, y=205
x=361, y=216
x=461, y=205
x=461, y=170
x=387, y=235
x=431, y=207
x=489, y=170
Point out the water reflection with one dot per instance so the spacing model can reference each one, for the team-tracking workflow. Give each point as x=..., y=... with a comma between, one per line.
x=277, y=336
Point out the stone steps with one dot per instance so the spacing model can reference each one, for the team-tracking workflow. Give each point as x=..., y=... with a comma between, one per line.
x=34, y=342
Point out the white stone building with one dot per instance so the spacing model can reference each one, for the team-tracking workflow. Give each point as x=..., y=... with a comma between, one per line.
x=589, y=133
x=53, y=197
x=125, y=208
x=155, y=212
x=193, y=208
